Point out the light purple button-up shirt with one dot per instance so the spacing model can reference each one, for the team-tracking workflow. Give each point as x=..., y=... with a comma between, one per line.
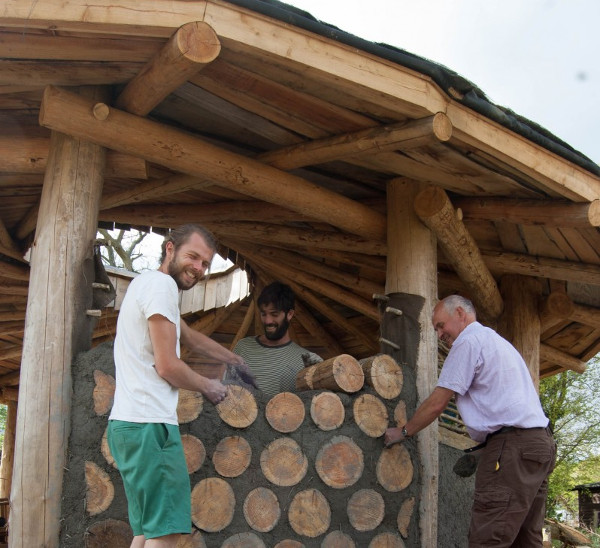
x=492, y=384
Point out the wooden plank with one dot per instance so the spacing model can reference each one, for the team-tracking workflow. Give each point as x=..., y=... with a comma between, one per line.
x=128, y=133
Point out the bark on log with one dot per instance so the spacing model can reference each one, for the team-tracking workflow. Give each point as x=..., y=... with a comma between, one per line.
x=194, y=452
x=561, y=359
x=327, y=411
x=104, y=392
x=100, y=491
x=244, y=540
x=386, y=540
x=434, y=208
x=285, y=412
x=342, y=373
x=394, y=468
x=232, y=456
x=340, y=462
x=384, y=374
x=309, y=513
x=110, y=532
x=213, y=504
x=261, y=509
x=239, y=408
x=404, y=516
x=189, y=405
x=370, y=415
x=304, y=378
x=194, y=540
x=337, y=539
x=283, y=462
x=366, y=509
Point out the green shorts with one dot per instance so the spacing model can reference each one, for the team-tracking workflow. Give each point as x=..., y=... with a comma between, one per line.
x=157, y=485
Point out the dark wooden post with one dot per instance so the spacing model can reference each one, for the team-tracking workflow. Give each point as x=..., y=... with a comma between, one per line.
x=56, y=328
x=412, y=279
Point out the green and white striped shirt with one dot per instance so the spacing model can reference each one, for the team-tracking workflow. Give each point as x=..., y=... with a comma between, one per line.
x=275, y=367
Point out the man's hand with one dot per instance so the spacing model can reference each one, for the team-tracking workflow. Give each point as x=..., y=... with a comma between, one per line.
x=245, y=374
x=214, y=391
x=392, y=436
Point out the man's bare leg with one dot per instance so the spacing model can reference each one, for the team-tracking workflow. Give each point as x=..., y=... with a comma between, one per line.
x=168, y=541
x=138, y=542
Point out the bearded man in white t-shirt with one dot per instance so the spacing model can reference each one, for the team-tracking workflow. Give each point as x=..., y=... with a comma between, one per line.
x=143, y=432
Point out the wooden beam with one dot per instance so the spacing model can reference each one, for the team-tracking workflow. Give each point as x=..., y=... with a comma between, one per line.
x=56, y=329
x=169, y=215
x=14, y=272
x=299, y=262
x=245, y=325
x=543, y=267
x=190, y=49
x=318, y=331
x=586, y=315
x=182, y=152
x=561, y=359
x=23, y=154
x=520, y=321
x=555, y=308
x=412, y=271
x=434, y=208
x=282, y=235
x=317, y=284
x=401, y=136
x=531, y=212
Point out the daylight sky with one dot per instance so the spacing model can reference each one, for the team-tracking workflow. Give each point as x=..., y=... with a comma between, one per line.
x=540, y=58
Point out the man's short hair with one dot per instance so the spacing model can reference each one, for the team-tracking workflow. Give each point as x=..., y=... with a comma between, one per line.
x=452, y=302
x=279, y=295
x=180, y=235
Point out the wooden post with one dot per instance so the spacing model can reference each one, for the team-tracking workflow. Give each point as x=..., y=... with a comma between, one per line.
x=520, y=321
x=56, y=328
x=412, y=271
x=8, y=450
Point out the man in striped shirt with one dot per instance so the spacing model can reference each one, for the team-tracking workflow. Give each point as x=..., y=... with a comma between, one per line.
x=273, y=357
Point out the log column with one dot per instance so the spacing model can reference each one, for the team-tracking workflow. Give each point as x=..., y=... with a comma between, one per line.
x=411, y=275
x=520, y=321
x=56, y=329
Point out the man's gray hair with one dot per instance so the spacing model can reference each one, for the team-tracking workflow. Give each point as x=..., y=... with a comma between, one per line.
x=452, y=302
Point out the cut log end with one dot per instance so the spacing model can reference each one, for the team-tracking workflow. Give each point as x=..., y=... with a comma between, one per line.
x=309, y=513
x=327, y=411
x=285, y=412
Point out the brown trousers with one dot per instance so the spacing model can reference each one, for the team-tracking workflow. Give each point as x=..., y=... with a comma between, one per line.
x=510, y=489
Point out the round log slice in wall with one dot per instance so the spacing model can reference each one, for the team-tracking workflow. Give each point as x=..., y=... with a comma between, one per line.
x=304, y=378
x=327, y=411
x=104, y=392
x=261, y=509
x=244, y=540
x=342, y=373
x=309, y=513
x=213, y=503
x=283, y=462
x=99, y=489
x=105, y=450
x=386, y=540
x=194, y=540
x=366, y=509
x=370, y=415
x=194, y=452
x=239, y=408
x=232, y=456
x=404, y=515
x=288, y=543
x=189, y=405
x=384, y=374
x=339, y=462
x=394, y=468
x=337, y=539
x=285, y=412
x=110, y=532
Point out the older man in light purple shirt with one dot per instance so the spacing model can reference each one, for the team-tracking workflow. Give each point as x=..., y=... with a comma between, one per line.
x=498, y=402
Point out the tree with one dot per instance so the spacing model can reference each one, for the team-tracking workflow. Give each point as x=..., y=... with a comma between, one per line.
x=125, y=249
x=572, y=403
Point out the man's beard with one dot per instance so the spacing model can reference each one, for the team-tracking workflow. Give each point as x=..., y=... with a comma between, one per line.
x=178, y=274
x=279, y=332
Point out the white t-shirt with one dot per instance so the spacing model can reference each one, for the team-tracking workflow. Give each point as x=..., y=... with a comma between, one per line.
x=141, y=395
x=492, y=383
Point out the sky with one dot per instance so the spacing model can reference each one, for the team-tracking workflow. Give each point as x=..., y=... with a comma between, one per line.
x=540, y=58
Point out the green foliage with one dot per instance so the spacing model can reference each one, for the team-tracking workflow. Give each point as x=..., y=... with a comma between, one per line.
x=572, y=403
x=3, y=409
